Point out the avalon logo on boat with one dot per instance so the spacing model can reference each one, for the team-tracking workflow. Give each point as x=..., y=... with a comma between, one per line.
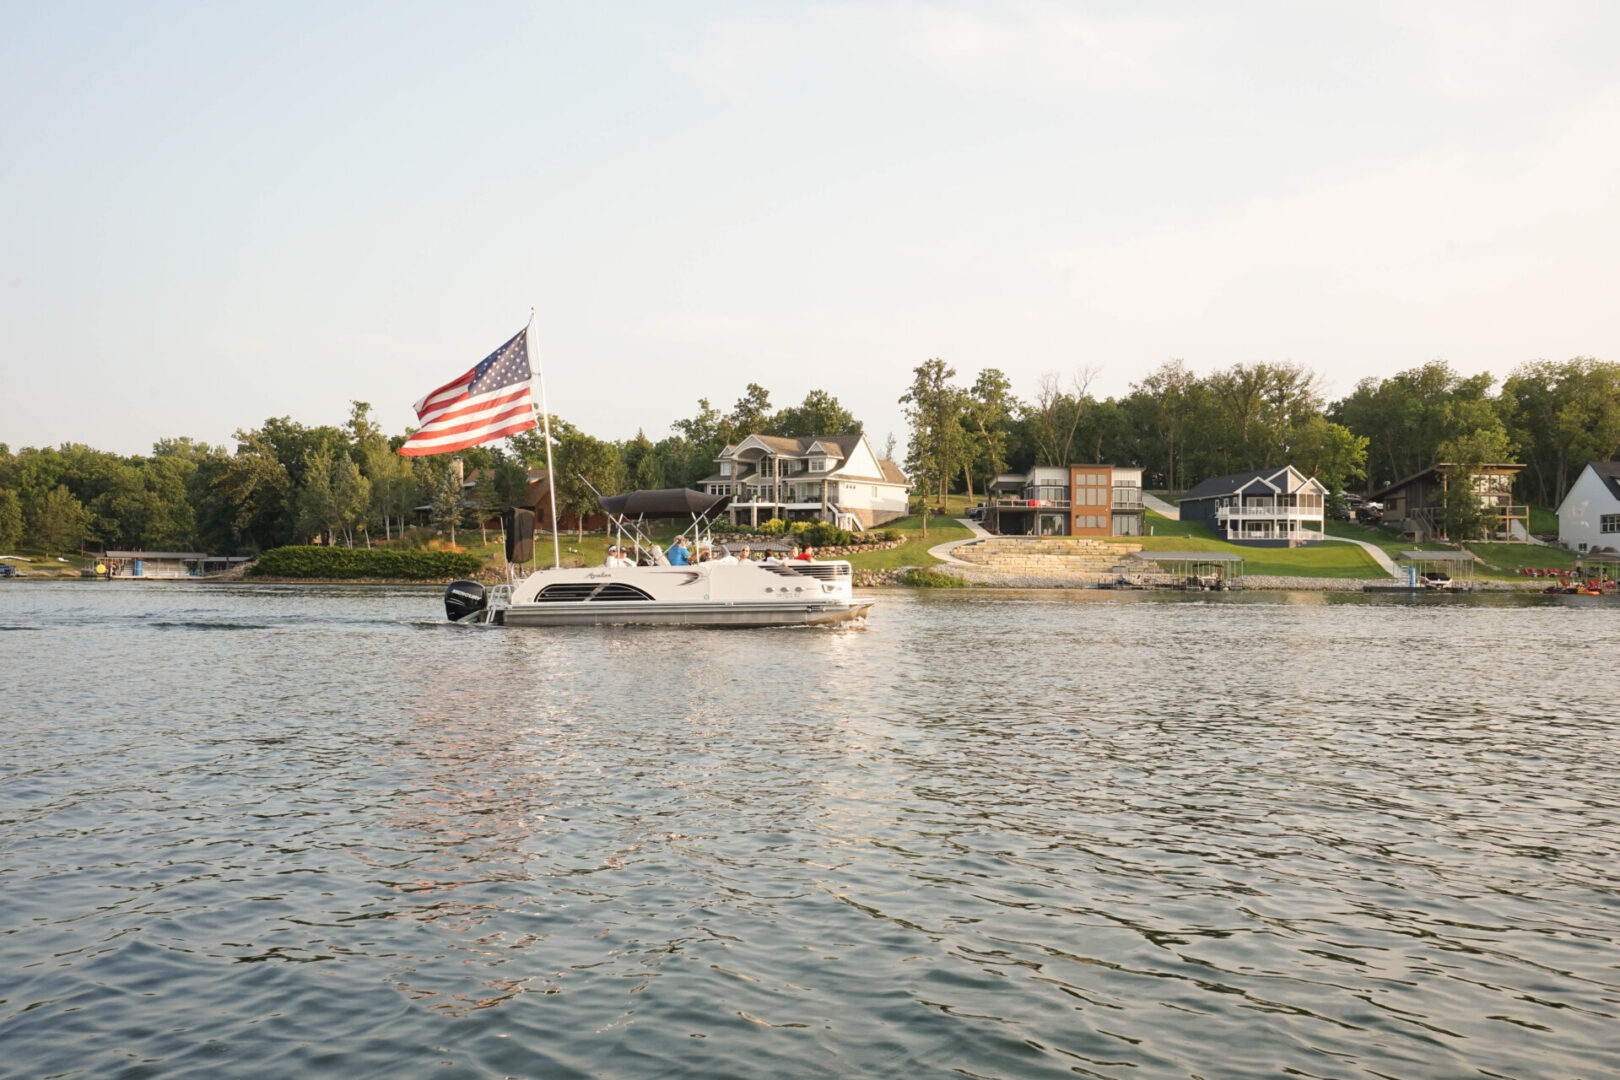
x=598, y=575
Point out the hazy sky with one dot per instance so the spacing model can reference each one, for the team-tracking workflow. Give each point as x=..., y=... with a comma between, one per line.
x=215, y=213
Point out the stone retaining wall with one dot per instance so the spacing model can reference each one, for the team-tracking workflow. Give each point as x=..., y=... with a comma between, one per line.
x=1074, y=557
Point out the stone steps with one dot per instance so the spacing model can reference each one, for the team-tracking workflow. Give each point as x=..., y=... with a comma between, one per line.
x=1065, y=556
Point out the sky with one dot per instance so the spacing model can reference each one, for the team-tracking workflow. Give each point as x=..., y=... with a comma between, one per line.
x=211, y=214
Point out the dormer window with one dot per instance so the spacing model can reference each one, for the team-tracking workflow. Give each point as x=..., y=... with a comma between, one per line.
x=725, y=468
x=818, y=464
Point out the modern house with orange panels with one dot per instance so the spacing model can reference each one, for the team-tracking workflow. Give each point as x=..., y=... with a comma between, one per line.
x=1067, y=500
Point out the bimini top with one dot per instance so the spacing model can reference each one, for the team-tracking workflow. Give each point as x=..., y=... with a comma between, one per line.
x=665, y=502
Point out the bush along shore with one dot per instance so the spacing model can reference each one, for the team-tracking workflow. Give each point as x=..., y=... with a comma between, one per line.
x=316, y=563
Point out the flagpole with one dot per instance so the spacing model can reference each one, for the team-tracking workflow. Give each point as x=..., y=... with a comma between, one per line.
x=545, y=430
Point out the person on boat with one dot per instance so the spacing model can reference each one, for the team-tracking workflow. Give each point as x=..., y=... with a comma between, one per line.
x=806, y=555
x=615, y=557
x=728, y=557
x=677, y=553
x=745, y=554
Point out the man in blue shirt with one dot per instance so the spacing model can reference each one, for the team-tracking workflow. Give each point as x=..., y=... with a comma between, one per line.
x=677, y=552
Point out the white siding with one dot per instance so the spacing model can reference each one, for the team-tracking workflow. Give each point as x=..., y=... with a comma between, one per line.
x=861, y=462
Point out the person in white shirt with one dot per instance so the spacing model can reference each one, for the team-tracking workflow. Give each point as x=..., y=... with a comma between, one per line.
x=615, y=558
x=728, y=557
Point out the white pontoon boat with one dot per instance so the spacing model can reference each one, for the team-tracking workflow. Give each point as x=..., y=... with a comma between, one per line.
x=650, y=591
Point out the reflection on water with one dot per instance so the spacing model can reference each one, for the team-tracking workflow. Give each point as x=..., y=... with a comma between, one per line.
x=1001, y=834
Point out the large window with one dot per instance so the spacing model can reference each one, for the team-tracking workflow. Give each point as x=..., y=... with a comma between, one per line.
x=1609, y=523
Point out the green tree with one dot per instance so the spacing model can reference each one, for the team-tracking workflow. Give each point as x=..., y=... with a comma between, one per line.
x=11, y=520
x=447, y=504
x=1162, y=403
x=818, y=414
x=316, y=504
x=1562, y=415
x=59, y=521
x=933, y=408
x=1256, y=407
x=1333, y=454
x=351, y=497
x=486, y=501
x=583, y=463
x=750, y=415
x=988, y=407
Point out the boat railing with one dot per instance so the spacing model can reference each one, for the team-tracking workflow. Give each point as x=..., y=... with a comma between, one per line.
x=825, y=571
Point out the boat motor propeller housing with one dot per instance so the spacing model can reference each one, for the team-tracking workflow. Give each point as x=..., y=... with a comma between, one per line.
x=464, y=598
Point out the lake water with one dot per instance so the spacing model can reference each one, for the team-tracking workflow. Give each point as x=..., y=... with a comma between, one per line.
x=315, y=831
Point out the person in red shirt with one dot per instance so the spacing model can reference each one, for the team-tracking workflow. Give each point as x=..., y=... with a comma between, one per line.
x=806, y=555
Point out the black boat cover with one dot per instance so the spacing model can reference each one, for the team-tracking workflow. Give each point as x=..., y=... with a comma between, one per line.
x=665, y=502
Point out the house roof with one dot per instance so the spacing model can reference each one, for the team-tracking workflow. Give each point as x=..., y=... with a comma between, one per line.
x=1230, y=483
x=1609, y=473
x=892, y=473
x=799, y=445
x=1505, y=466
x=1439, y=556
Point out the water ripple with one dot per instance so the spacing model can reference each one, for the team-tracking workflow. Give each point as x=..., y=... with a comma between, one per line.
x=1104, y=836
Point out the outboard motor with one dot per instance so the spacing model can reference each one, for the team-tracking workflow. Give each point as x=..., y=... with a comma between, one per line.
x=463, y=599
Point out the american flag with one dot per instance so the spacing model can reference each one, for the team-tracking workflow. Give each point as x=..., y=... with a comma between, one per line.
x=491, y=400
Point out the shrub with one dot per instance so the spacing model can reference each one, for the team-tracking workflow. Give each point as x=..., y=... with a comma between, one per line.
x=888, y=536
x=798, y=528
x=419, y=538
x=920, y=578
x=335, y=562
x=772, y=526
x=823, y=534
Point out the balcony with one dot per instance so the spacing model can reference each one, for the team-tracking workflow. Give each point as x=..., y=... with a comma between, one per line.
x=1266, y=513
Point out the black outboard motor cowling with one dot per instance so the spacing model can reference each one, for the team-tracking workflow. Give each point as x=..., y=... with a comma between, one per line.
x=464, y=598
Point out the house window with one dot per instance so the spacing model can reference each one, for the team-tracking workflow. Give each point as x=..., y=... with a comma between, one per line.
x=818, y=464
x=725, y=468
x=1609, y=523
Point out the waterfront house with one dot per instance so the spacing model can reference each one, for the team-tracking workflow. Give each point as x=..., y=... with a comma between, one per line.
x=1270, y=507
x=1589, y=516
x=1417, y=503
x=833, y=478
x=1067, y=500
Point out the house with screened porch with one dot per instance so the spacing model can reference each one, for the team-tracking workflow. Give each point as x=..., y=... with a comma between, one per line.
x=1270, y=507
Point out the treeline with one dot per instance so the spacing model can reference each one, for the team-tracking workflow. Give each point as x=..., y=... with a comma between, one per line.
x=287, y=483
x=1182, y=427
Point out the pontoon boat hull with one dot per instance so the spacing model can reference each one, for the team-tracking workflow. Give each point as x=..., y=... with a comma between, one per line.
x=703, y=614
x=706, y=594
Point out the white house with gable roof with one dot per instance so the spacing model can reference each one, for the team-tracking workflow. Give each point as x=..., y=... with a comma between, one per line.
x=1589, y=516
x=833, y=478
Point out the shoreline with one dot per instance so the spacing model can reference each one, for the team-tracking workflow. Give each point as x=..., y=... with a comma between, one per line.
x=887, y=579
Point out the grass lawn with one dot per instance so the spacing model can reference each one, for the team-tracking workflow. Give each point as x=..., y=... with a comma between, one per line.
x=1320, y=560
x=1375, y=535
x=1503, y=561
x=35, y=563
x=1159, y=525
x=1543, y=520
x=914, y=552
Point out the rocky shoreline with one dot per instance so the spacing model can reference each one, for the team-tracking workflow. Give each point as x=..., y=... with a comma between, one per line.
x=974, y=578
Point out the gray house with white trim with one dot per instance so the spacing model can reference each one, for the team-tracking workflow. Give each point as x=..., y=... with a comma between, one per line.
x=1270, y=507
